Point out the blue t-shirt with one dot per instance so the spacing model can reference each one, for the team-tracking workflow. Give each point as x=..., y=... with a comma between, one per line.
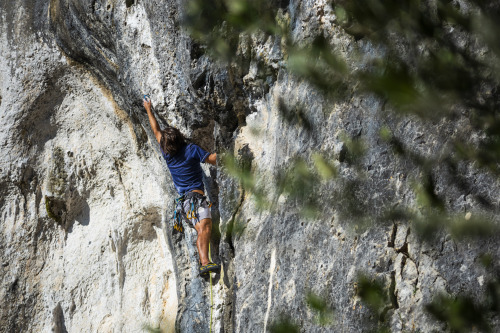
x=185, y=168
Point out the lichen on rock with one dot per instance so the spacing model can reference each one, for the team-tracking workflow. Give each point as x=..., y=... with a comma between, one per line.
x=55, y=209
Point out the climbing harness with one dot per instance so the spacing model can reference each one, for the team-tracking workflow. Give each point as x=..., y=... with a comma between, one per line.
x=195, y=201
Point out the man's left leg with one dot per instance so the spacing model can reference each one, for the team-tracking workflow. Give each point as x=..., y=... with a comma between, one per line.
x=204, y=227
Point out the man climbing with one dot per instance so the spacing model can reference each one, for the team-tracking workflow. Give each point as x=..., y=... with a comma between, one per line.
x=183, y=161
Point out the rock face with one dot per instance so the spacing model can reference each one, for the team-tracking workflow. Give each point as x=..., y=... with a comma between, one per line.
x=83, y=247
x=86, y=243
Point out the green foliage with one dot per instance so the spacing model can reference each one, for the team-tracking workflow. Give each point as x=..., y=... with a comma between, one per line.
x=372, y=293
x=437, y=76
x=474, y=227
x=421, y=67
x=218, y=24
x=385, y=134
x=461, y=313
x=492, y=299
x=326, y=169
x=319, y=305
x=425, y=193
x=354, y=150
x=294, y=115
x=239, y=169
x=319, y=65
x=324, y=316
x=297, y=180
x=431, y=60
x=284, y=325
x=417, y=67
x=150, y=329
x=378, y=297
x=235, y=228
x=460, y=227
x=486, y=260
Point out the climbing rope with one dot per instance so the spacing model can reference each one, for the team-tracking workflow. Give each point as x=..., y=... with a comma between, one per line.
x=211, y=297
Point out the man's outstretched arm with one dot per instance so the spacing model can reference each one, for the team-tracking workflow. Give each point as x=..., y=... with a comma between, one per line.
x=212, y=159
x=152, y=121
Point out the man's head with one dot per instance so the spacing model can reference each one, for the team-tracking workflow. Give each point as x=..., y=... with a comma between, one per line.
x=172, y=140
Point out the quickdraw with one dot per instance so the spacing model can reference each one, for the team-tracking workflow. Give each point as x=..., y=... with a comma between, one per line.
x=177, y=214
x=191, y=214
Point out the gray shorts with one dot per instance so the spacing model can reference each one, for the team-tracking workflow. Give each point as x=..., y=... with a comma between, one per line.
x=202, y=210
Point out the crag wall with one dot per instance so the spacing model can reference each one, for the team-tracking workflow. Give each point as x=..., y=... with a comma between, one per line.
x=86, y=243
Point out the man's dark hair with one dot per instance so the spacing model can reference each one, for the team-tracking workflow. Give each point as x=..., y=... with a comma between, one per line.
x=172, y=140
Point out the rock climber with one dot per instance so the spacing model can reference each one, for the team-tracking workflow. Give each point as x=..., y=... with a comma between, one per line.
x=183, y=160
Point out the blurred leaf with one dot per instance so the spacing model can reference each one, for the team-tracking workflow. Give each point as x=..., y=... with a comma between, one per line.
x=310, y=210
x=319, y=65
x=236, y=227
x=372, y=293
x=385, y=134
x=294, y=115
x=486, y=155
x=349, y=200
x=341, y=15
x=383, y=330
x=297, y=180
x=202, y=17
x=470, y=227
x=428, y=225
x=151, y=329
x=476, y=227
x=425, y=192
x=493, y=295
x=355, y=150
x=240, y=169
x=430, y=79
x=318, y=304
x=486, y=260
x=284, y=325
x=394, y=83
x=261, y=199
x=325, y=169
x=460, y=313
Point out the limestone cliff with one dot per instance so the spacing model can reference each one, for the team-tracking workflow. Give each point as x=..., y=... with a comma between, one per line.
x=86, y=241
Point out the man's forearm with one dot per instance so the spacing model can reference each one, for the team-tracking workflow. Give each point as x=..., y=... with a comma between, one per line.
x=152, y=121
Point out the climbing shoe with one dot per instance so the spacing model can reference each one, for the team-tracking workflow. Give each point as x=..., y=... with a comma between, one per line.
x=210, y=267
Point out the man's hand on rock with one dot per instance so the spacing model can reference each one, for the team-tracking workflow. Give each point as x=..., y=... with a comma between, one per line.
x=147, y=104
